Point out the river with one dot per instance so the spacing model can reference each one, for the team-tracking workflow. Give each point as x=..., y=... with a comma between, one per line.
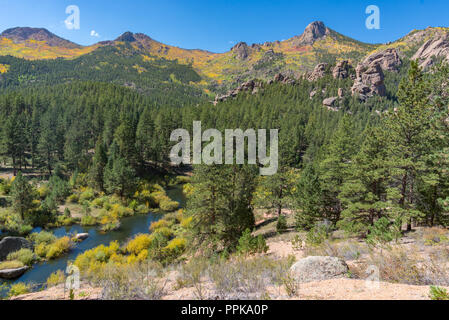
x=128, y=229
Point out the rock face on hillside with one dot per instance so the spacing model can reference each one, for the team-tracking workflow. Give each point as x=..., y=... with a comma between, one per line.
x=370, y=73
x=319, y=268
x=314, y=31
x=437, y=47
x=252, y=86
x=341, y=70
x=318, y=72
x=12, y=244
x=369, y=81
x=388, y=60
x=241, y=49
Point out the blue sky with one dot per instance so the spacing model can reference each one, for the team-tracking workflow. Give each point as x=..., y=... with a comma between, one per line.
x=216, y=25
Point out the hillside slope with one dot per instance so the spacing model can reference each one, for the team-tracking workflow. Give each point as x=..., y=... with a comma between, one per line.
x=293, y=57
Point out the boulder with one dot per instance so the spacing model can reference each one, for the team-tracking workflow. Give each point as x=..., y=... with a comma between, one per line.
x=242, y=50
x=81, y=236
x=369, y=81
x=279, y=77
x=318, y=72
x=12, y=244
x=13, y=273
x=319, y=268
x=312, y=94
x=330, y=102
x=341, y=70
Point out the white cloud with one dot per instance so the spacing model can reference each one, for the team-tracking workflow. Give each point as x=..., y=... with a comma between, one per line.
x=94, y=33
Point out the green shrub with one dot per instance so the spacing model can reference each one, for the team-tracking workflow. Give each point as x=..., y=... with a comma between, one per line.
x=99, y=202
x=183, y=179
x=437, y=293
x=281, y=225
x=67, y=213
x=317, y=235
x=88, y=220
x=250, y=245
x=25, y=256
x=59, y=189
x=73, y=198
x=19, y=289
x=42, y=237
x=383, y=232
x=87, y=195
x=141, y=209
x=5, y=187
x=25, y=229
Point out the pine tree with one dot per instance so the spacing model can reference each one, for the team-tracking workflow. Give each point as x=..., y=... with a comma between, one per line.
x=21, y=195
x=144, y=137
x=307, y=199
x=335, y=168
x=220, y=205
x=364, y=193
x=275, y=192
x=433, y=183
x=99, y=162
x=125, y=138
x=119, y=176
x=410, y=137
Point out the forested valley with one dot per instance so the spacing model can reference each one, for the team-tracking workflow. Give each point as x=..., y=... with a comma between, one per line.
x=85, y=149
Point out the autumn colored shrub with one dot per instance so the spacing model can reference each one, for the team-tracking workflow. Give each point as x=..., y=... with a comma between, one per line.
x=160, y=224
x=58, y=248
x=19, y=289
x=139, y=243
x=25, y=256
x=56, y=278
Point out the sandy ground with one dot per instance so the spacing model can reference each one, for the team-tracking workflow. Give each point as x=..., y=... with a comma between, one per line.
x=58, y=293
x=335, y=289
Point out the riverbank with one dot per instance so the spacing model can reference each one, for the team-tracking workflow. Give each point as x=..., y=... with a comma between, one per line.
x=37, y=276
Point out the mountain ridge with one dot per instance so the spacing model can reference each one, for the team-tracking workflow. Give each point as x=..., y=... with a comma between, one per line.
x=294, y=57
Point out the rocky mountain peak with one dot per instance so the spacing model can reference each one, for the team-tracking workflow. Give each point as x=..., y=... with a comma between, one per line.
x=126, y=37
x=21, y=34
x=314, y=31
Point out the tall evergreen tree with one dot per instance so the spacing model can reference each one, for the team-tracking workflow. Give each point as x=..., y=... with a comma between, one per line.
x=335, y=168
x=119, y=176
x=410, y=137
x=220, y=205
x=99, y=162
x=364, y=192
x=21, y=195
